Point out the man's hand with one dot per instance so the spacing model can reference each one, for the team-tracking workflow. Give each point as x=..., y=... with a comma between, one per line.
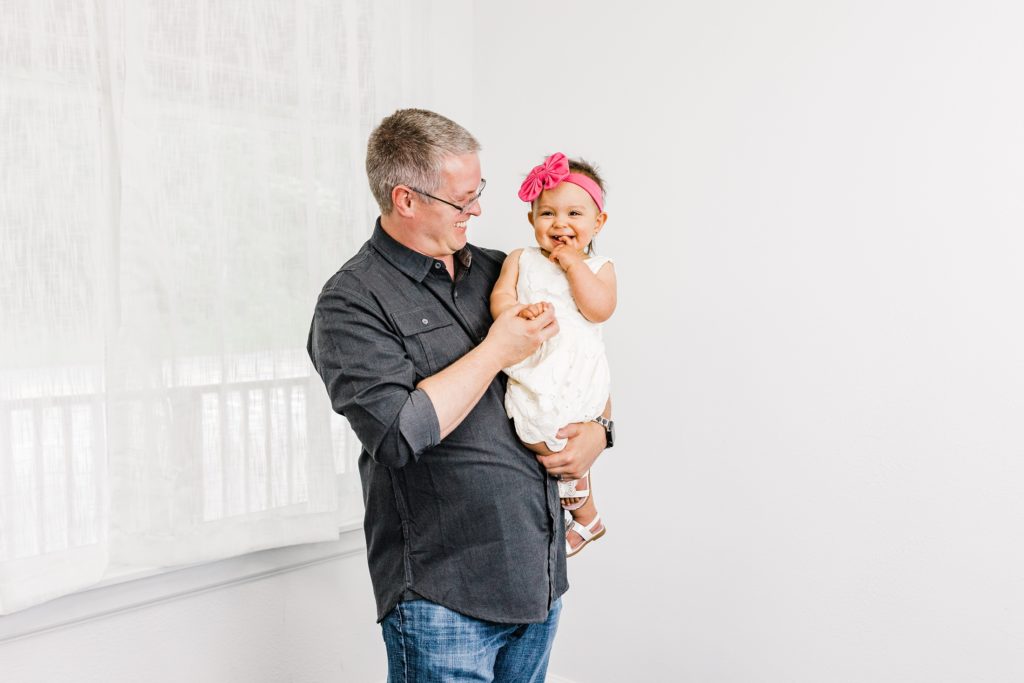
x=531, y=311
x=512, y=338
x=586, y=441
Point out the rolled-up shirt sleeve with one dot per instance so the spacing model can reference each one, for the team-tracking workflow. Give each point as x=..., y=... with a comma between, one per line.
x=370, y=379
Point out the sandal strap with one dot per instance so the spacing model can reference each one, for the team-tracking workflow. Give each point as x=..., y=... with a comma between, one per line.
x=567, y=489
x=586, y=532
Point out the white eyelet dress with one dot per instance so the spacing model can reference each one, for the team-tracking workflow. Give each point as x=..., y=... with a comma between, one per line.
x=567, y=379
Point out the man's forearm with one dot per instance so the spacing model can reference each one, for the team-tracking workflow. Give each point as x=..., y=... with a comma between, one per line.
x=456, y=390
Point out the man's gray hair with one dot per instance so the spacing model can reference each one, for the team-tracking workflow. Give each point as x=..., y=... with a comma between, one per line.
x=408, y=148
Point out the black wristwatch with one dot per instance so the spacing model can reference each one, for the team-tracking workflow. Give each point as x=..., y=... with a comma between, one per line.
x=609, y=431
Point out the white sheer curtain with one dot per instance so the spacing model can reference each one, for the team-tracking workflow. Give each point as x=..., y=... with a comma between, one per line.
x=177, y=180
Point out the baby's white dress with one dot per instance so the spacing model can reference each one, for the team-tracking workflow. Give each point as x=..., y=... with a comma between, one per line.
x=567, y=379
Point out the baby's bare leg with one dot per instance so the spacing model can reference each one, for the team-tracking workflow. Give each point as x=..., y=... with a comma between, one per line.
x=540, y=448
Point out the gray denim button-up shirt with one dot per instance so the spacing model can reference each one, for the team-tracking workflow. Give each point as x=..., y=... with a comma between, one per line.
x=471, y=522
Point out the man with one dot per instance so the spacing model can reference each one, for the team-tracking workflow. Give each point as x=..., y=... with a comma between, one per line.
x=464, y=530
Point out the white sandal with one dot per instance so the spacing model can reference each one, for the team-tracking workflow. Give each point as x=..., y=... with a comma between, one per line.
x=586, y=532
x=567, y=489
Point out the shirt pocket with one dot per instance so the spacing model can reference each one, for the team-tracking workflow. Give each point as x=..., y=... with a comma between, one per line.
x=423, y=330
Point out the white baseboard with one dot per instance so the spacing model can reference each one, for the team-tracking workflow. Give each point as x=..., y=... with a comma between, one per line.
x=153, y=588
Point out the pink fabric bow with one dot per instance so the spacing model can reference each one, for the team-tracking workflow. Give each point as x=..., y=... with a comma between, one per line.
x=554, y=170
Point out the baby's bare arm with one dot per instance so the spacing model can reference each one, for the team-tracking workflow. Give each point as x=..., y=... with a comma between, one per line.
x=503, y=295
x=594, y=293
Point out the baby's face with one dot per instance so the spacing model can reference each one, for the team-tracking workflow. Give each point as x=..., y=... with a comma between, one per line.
x=565, y=214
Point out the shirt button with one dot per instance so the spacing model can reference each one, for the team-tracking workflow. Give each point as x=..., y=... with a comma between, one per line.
x=425, y=321
x=456, y=295
x=437, y=264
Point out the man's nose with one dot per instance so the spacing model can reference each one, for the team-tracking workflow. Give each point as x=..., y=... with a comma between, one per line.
x=475, y=209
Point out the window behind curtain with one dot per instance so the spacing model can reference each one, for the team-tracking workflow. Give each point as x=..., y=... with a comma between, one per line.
x=177, y=180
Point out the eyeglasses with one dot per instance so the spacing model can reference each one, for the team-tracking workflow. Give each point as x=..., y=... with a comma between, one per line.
x=462, y=209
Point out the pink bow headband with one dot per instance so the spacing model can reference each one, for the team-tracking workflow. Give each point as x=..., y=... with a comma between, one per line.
x=553, y=171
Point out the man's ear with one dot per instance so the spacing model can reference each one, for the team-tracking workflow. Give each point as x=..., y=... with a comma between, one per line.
x=401, y=200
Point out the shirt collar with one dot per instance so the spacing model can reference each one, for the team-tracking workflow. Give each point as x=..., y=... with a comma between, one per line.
x=464, y=256
x=412, y=263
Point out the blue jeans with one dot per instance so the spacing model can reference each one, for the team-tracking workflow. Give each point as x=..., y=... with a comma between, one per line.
x=428, y=643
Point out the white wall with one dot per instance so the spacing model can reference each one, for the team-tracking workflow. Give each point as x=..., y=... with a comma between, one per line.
x=818, y=357
x=815, y=215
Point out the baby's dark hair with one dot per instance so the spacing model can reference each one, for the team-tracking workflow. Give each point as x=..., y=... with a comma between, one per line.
x=588, y=169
